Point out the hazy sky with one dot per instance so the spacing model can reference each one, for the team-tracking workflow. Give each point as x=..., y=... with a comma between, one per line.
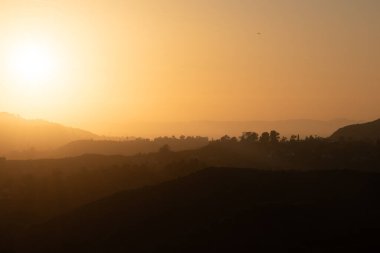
x=106, y=62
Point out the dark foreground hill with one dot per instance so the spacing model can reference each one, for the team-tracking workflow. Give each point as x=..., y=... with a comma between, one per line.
x=359, y=132
x=225, y=210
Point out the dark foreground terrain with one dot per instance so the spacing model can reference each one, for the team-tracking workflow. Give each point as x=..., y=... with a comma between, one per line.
x=311, y=195
x=224, y=210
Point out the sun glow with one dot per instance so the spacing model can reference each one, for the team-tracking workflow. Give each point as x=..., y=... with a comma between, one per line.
x=33, y=74
x=32, y=63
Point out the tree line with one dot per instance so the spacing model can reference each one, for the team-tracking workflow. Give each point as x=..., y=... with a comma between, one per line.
x=266, y=137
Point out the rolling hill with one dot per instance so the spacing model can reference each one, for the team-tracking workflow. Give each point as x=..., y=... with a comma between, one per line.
x=359, y=132
x=225, y=210
x=128, y=147
x=19, y=134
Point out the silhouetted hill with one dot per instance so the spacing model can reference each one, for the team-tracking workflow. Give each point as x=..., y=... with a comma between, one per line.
x=359, y=132
x=129, y=147
x=32, y=191
x=225, y=210
x=18, y=134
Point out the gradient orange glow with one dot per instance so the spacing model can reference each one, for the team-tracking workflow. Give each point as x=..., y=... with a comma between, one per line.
x=105, y=63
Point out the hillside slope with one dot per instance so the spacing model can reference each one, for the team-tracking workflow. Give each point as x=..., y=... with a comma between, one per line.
x=18, y=134
x=225, y=210
x=127, y=147
x=369, y=131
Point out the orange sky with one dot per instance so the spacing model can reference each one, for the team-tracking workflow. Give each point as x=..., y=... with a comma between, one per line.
x=177, y=60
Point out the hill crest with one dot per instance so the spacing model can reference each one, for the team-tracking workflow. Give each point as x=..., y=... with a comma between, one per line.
x=369, y=131
x=20, y=134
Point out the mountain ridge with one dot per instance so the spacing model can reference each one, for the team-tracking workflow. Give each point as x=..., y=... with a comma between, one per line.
x=18, y=134
x=368, y=131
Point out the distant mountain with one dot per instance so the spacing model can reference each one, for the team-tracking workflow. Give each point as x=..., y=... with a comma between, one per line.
x=22, y=135
x=364, y=132
x=225, y=210
x=216, y=129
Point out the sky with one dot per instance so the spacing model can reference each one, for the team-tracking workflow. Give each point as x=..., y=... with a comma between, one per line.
x=101, y=64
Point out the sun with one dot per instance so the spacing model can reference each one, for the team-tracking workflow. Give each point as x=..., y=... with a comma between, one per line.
x=36, y=74
x=32, y=64
x=33, y=73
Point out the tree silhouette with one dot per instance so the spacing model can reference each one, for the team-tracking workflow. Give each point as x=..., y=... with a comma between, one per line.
x=225, y=138
x=293, y=138
x=265, y=137
x=249, y=137
x=274, y=136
